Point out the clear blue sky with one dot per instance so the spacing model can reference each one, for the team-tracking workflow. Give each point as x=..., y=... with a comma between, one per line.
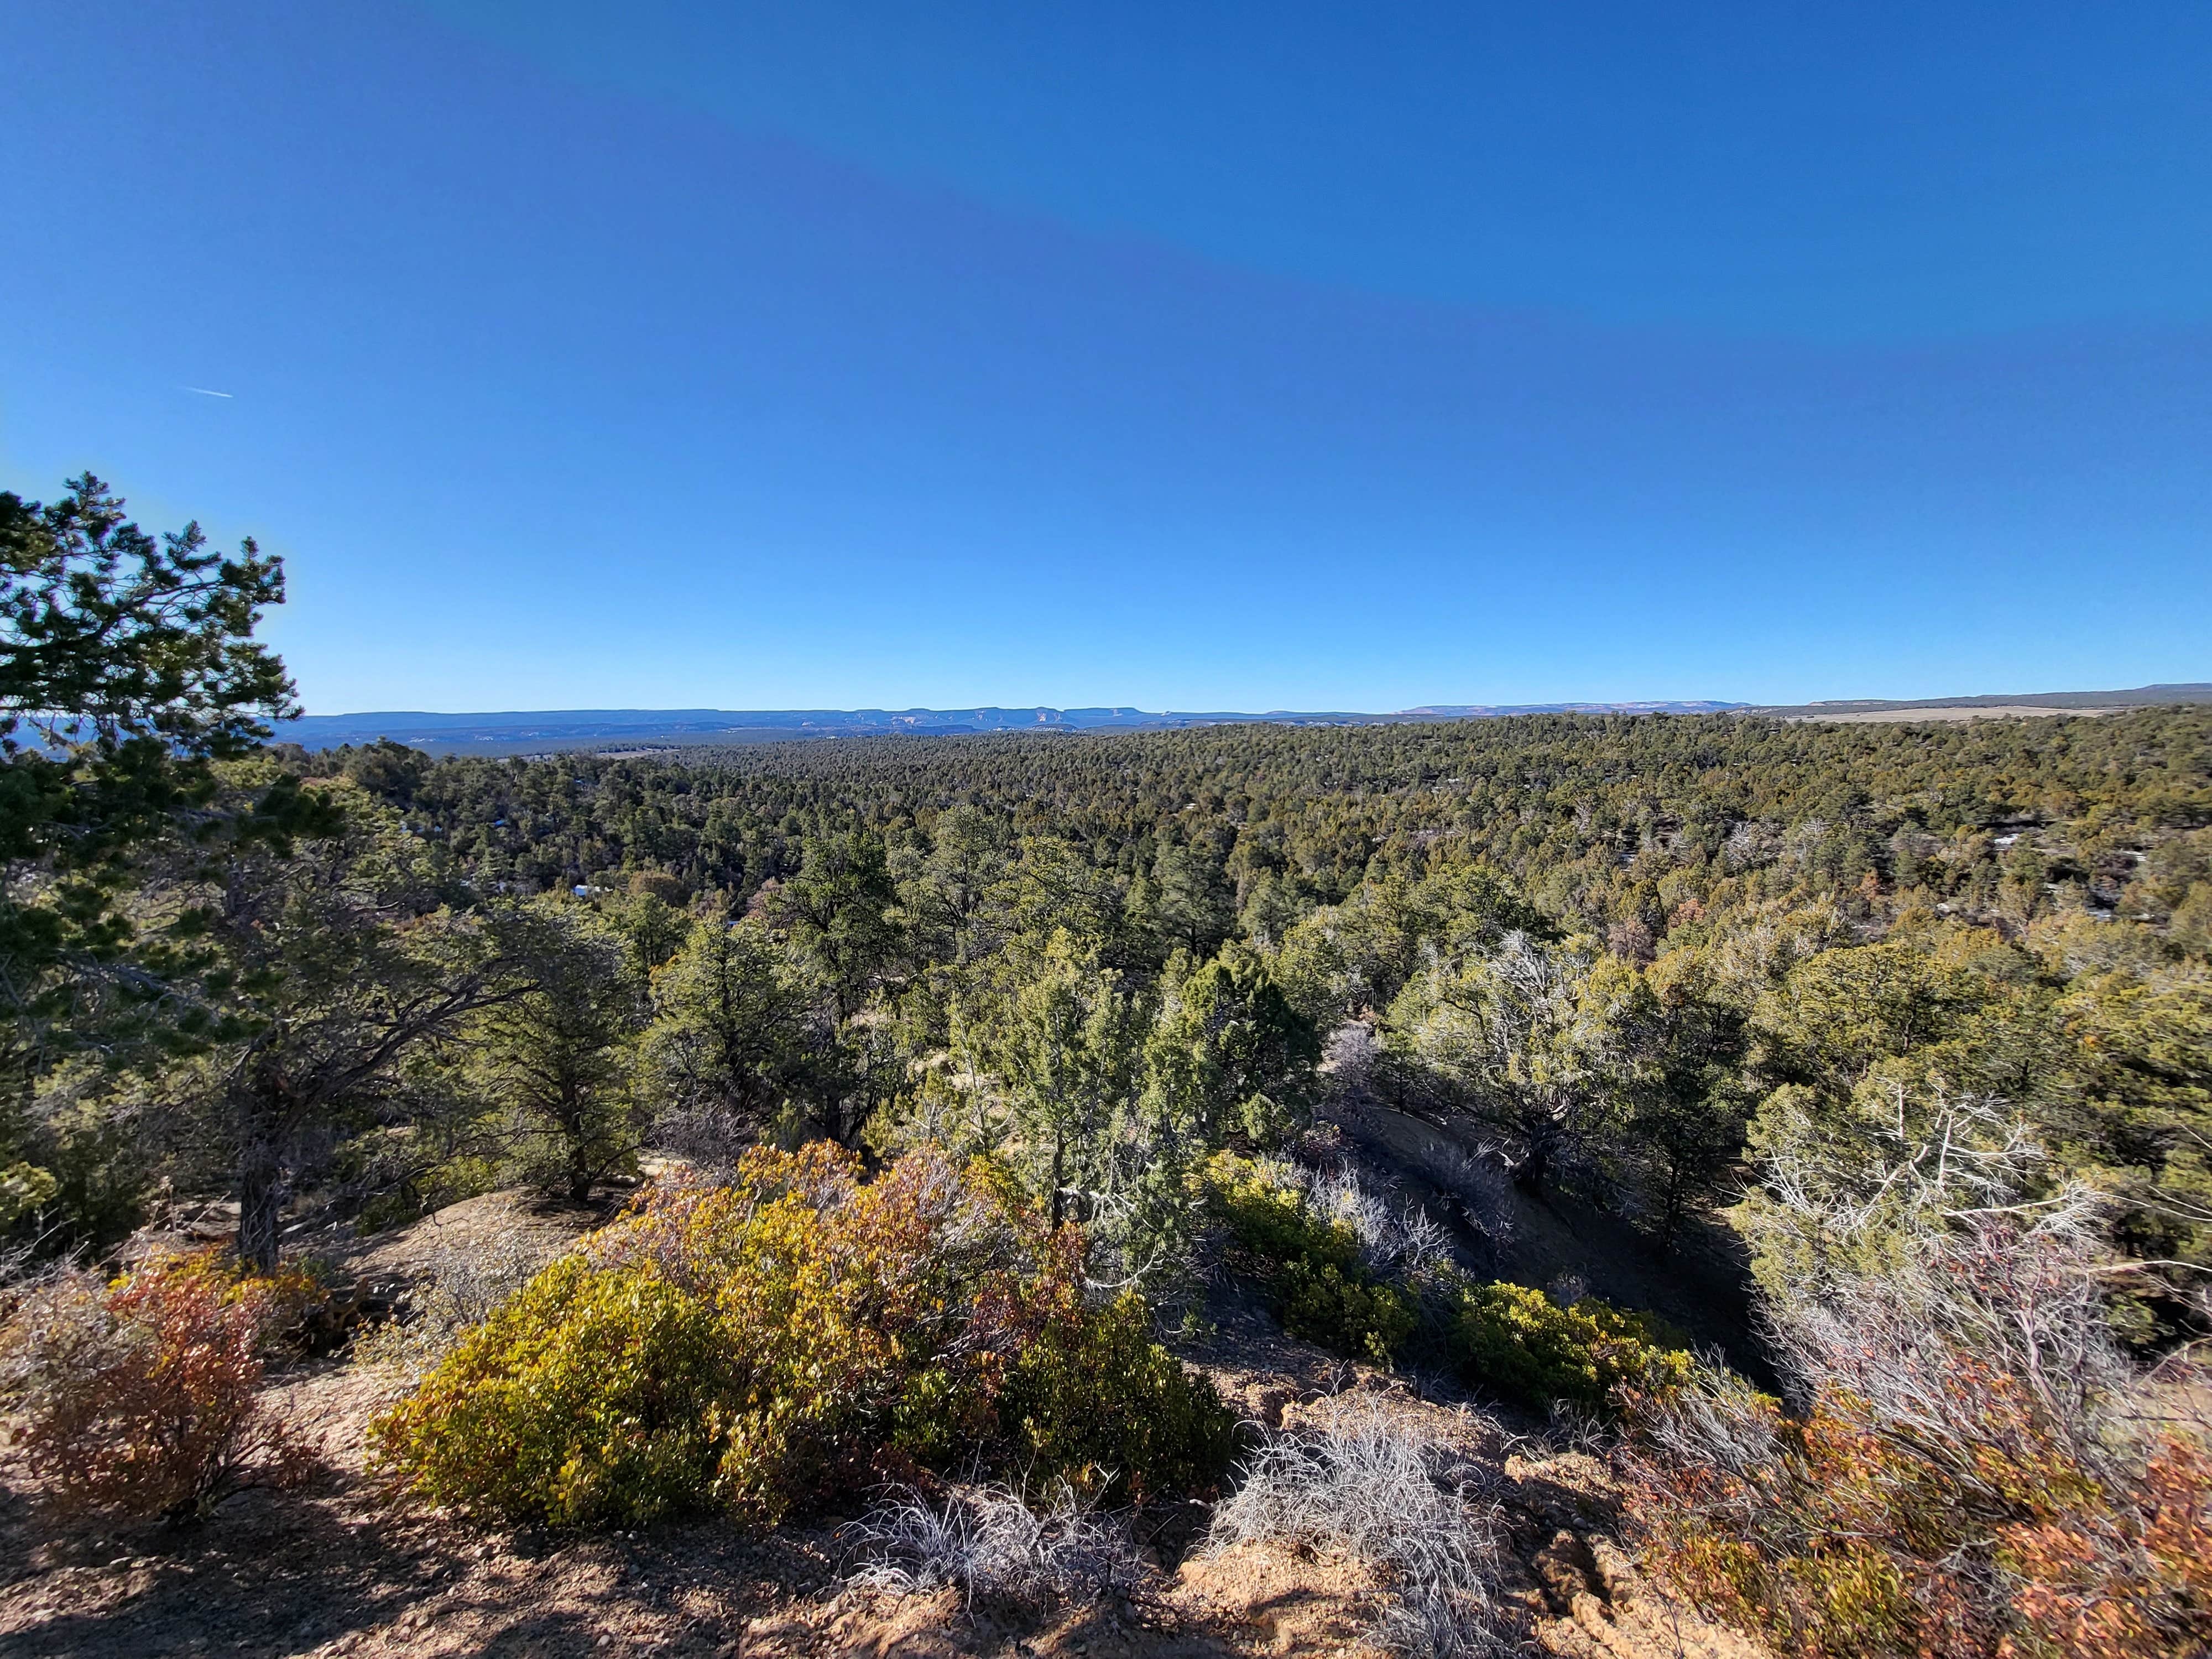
x=1187, y=355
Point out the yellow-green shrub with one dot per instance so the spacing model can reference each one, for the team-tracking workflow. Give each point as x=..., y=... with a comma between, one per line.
x=1095, y=1402
x=591, y=1397
x=762, y=1346
x=1309, y=1263
x=1519, y=1342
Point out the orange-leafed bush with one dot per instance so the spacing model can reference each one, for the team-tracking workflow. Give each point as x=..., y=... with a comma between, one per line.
x=796, y=1334
x=1978, y=1472
x=139, y=1397
x=2120, y=1584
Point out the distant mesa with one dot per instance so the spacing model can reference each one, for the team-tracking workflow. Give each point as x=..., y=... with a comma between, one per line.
x=616, y=730
x=1991, y=705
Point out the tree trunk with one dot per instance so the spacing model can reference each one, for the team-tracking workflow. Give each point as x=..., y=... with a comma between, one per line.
x=1536, y=1163
x=574, y=1121
x=1530, y=1176
x=1058, y=1199
x=1670, y=1213
x=260, y=1202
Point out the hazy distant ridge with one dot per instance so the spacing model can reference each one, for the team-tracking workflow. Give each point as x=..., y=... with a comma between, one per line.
x=602, y=727
x=526, y=730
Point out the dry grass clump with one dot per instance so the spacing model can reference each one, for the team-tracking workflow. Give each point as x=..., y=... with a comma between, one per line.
x=987, y=1543
x=1369, y=1485
x=1397, y=1236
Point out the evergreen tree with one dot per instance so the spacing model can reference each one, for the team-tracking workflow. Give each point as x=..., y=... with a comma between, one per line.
x=557, y=1055
x=741, y=1033
x=1229, y=1053
x=128, y=670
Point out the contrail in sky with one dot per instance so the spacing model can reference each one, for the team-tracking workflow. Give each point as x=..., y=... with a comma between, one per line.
x=204, y=391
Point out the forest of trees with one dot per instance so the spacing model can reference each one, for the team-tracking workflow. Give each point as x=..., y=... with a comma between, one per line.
x=1625, y=945
x=1672, y=965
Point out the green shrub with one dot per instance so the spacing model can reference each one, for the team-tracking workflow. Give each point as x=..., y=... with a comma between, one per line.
x=1309, y=1264
x=1352, y=1313
x=1098, y=1403
x=590, y=1398
x=1507, y=1338
x=1520, y=1343
x=794, y=1336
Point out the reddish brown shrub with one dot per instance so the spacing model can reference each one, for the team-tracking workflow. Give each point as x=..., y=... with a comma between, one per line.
x=1971, y=1476
x=2120, y=1584
x=139, y=1397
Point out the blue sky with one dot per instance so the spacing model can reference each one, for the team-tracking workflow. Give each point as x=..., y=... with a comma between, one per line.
x=1181, y=355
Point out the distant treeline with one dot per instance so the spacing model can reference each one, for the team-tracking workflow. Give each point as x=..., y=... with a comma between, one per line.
x=1607, y=820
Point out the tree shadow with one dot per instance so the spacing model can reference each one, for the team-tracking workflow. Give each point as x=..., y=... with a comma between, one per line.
x=266, y=1573
x=284, y=1573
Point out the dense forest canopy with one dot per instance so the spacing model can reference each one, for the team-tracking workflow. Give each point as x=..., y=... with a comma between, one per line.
x=1615, y=818
x=2044, y=886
